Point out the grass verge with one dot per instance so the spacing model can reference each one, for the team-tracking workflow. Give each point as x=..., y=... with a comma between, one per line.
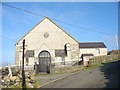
x=37, y=75
x=99, y=64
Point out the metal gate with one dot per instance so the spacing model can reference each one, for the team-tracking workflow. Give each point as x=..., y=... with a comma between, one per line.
x=44, y=61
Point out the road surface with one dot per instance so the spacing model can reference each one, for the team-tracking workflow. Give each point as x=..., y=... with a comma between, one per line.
x=105, y=76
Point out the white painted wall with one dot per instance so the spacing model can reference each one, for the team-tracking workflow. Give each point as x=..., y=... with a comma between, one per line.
x=35, y=39
x=103, y=51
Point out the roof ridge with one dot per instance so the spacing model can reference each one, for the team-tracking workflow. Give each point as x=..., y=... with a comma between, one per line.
x=62, y=29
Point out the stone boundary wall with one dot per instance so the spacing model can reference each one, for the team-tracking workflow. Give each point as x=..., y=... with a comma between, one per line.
x=70, y=68
x=29, y=67
x=65, y=69
x=94, y=60
x=100, y=59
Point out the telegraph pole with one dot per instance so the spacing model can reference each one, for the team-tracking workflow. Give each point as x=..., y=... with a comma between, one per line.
x=23, y=73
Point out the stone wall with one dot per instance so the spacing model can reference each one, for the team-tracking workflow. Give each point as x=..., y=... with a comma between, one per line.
x=100, y=59
x=65, y=69
x=29, y=67
x=74, y=53
x=14, y=79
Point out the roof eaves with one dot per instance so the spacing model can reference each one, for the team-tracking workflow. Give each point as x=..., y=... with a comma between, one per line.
x=30, y=31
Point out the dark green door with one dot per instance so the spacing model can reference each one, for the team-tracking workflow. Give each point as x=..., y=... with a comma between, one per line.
x=44, y=61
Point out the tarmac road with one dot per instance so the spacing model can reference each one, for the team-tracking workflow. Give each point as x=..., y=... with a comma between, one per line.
x=105, y=76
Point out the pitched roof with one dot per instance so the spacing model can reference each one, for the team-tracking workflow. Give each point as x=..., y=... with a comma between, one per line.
x=53, y=23
x=92, y=45
x=60, y=53
x=29, y=53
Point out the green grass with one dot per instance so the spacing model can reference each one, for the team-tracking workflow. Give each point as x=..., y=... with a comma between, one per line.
x=99, y=64
x=37, y=75
x=109, y=61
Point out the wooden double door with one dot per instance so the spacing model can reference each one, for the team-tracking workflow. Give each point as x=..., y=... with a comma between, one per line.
x=44, y=61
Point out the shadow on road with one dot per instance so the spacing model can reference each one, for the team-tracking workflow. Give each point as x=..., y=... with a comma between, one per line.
x=111, y=73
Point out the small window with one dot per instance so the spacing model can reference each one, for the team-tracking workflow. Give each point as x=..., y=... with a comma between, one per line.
x=27, y=61
x=97, y=51
x=62, y=60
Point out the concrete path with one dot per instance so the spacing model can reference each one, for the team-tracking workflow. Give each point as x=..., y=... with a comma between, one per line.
x=45, y=79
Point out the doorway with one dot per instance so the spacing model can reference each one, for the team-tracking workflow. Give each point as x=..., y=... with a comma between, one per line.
x=44, y=61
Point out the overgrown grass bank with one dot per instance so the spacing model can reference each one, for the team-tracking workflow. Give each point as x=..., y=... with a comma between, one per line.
x=99, y=64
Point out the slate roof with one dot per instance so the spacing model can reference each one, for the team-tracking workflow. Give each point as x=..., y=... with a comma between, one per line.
x=92, y=45
x=87, y=55
x=60, y=53
x=29, y=53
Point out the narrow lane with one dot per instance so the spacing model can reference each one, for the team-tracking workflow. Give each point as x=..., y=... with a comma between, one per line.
x=98, y=77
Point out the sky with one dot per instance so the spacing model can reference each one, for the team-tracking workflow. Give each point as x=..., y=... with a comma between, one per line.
x=92, y=22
